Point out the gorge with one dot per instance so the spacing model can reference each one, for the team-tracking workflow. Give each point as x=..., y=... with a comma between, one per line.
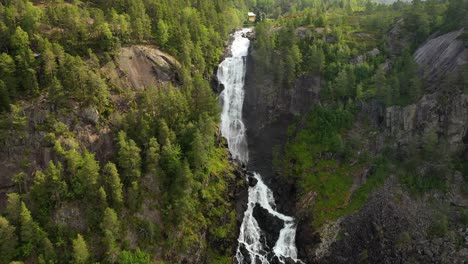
x=253, y=245
x=233, y=131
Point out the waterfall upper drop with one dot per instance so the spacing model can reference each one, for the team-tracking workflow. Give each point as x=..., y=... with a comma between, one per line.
x=252, y=247
x=231, y=73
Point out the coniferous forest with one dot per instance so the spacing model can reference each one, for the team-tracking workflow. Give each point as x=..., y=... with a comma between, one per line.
x=100, y=163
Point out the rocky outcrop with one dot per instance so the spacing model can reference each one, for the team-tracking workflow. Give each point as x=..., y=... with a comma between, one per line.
x=398, y=38
x=445, y=109
x=392, y=228
x=427, y=114
x=441, y=55
x=142, y=66
x=27, y=148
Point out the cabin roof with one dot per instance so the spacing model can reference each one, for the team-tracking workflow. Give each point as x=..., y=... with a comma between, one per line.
x=251, y=14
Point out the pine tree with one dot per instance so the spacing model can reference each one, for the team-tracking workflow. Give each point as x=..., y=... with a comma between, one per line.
x=153, y=157
x=8, y=241
x=129, y=159
x=113, y=185
x=198, y=155
x=8, y=81
x=88, y=173
x=162, y=33
x=137, y=257
x=110, y=222
x=13, y=208
x=165, y=135
x=31, y=235
x=4, y=97
x=80, y=250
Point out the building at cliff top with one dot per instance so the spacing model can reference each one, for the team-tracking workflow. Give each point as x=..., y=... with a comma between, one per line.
x=251, y=16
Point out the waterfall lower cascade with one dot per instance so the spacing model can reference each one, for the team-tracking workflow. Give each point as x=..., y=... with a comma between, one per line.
x=252, y=247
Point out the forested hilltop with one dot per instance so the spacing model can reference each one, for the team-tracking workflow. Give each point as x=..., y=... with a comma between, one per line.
x=367, y=106
x=109, y=150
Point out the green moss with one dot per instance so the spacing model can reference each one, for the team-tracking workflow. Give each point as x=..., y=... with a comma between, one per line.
x=464, y=217
x=439, y=225
x=322, y=162
x=404, y=240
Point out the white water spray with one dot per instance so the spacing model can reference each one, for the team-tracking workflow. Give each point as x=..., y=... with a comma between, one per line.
x=252, y=246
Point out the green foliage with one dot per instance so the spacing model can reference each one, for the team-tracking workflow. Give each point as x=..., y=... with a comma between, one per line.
x=404, y=241
x=153, y=156
x=427, y=168
x=31, y=235
x=171, y=179
x=134, y=257
x=464, y=217
x=112, y=184
x=305, y=159
x=88, y=172
x=439, y=226
x=80, y=250
x=162, y=33
x=52, y=52
x=8, y=241
x=49, y=189
x=13, y=208
x=110, y=225
x=129, y=159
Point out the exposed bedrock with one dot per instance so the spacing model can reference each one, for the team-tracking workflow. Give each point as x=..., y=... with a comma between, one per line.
x=441, y=55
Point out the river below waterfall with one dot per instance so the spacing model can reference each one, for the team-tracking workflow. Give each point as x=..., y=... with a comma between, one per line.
x=252, y=242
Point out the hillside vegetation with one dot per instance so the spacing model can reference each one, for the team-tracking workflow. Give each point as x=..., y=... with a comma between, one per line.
x=96, y=170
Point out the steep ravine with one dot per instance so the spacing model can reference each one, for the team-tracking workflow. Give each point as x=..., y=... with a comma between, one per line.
x=266, y=235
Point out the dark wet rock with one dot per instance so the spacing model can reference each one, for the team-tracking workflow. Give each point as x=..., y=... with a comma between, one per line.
x=244, y=253
x=241, y=193
x=270, y=224
x=251, y=35
x=216, y=85
x=252, y=181
x=269, y=109
x=275, y=260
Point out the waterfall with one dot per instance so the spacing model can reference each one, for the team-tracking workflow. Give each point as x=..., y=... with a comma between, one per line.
x=252, y=246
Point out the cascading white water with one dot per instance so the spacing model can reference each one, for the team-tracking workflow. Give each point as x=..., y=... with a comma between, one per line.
x=231, y=74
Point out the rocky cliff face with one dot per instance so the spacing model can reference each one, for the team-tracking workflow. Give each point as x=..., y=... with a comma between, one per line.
x=441, y=55
x=269, y=109
x=136, y=67
x=444, y=108
x=449, y=120
x=393, y=225
x=391, y=228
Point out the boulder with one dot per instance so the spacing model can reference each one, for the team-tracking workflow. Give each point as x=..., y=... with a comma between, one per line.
x=90, y=114
x=269, y=223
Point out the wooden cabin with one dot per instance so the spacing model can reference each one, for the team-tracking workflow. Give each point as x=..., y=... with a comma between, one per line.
x=251, y=16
